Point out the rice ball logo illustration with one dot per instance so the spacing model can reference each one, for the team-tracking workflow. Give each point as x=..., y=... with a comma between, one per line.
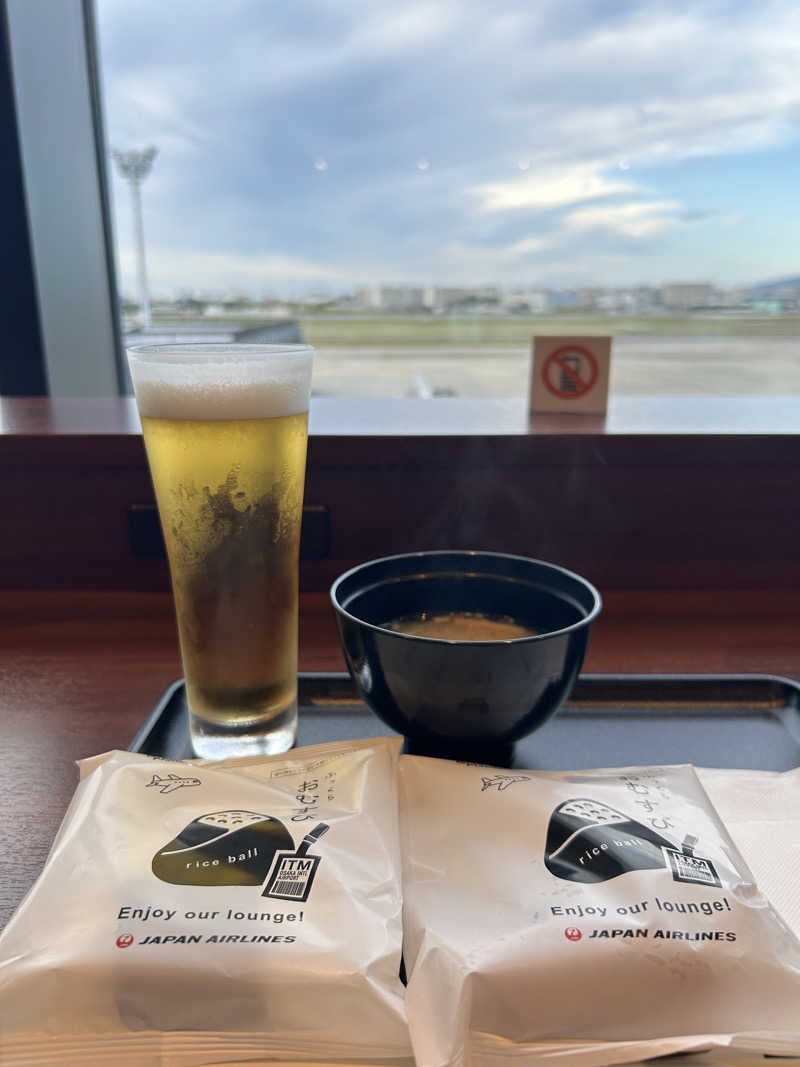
x=223, y=848
x=587, y=841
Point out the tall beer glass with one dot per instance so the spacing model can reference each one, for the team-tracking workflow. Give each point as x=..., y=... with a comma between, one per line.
x=225, y=428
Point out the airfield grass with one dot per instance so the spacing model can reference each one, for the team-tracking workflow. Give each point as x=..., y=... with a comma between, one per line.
x=355, y=330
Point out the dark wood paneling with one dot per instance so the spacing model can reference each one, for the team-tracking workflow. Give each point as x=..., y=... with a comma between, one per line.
x=619, y=521
x=626, y=511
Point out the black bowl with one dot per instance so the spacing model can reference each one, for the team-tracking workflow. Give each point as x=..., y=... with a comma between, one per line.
x=464, y=699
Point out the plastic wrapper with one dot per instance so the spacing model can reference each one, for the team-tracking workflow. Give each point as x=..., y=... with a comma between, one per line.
x=593, y=917
x=761, y=812
x=195, y=914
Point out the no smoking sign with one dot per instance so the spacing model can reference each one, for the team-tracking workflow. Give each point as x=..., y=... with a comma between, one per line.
x=570, y=375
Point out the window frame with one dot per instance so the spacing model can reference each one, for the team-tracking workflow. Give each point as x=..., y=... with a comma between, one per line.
x=56, y=97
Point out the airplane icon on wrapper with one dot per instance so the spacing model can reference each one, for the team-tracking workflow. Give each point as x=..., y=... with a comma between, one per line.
x=171, y=782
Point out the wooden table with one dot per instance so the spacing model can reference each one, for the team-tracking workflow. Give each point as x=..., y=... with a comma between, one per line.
x=80, y=670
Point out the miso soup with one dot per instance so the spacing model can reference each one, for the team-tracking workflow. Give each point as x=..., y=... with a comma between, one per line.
x=461, y=626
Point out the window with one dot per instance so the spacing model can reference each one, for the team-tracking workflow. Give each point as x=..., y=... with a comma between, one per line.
x=416, y=191
x=422, y=188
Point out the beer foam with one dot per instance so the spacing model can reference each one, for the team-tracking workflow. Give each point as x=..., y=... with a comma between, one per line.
x=220, y=382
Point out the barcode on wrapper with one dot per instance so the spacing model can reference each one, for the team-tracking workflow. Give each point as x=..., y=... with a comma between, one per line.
x=288, y=889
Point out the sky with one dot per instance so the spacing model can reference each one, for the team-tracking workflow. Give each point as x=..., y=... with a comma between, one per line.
x=327, y=145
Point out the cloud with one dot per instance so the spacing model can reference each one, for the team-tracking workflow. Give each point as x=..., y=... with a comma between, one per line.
x=614, y=110
x=637, y=218
x=549, y=189
x=528, y=246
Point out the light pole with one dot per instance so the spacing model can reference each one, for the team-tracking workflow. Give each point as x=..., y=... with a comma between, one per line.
x=134, y=166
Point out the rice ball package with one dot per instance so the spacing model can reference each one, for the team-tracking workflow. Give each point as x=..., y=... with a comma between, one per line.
x=593, y=917
x=761, y=812
x=195, y=914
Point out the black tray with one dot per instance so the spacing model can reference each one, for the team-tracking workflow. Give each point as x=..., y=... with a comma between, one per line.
x=610, y=721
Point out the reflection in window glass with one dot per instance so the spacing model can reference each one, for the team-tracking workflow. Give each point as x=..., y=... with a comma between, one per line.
x=418, y=189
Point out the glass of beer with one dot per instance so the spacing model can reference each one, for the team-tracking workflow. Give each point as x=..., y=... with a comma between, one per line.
x=225, y=429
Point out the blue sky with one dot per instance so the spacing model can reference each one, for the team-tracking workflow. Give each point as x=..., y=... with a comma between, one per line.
x=331, y=144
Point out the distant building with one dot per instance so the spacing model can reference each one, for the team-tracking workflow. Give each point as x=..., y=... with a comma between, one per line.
x=399, y=298
x=684, y=296
x=523, y=301
x=734, y=298
x=589, y=299
x=639, y=300
x=646, y=300
x=448, y=298
x=564, y=298
x=362, y=299
x=614, y=301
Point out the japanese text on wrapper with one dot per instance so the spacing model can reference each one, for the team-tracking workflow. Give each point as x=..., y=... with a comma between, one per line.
x=308, y=795
x=649, y=792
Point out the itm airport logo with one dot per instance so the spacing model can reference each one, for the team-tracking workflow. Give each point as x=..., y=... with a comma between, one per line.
x=243, y=848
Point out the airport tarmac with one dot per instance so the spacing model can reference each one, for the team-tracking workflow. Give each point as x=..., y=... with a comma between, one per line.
x=641, y=364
